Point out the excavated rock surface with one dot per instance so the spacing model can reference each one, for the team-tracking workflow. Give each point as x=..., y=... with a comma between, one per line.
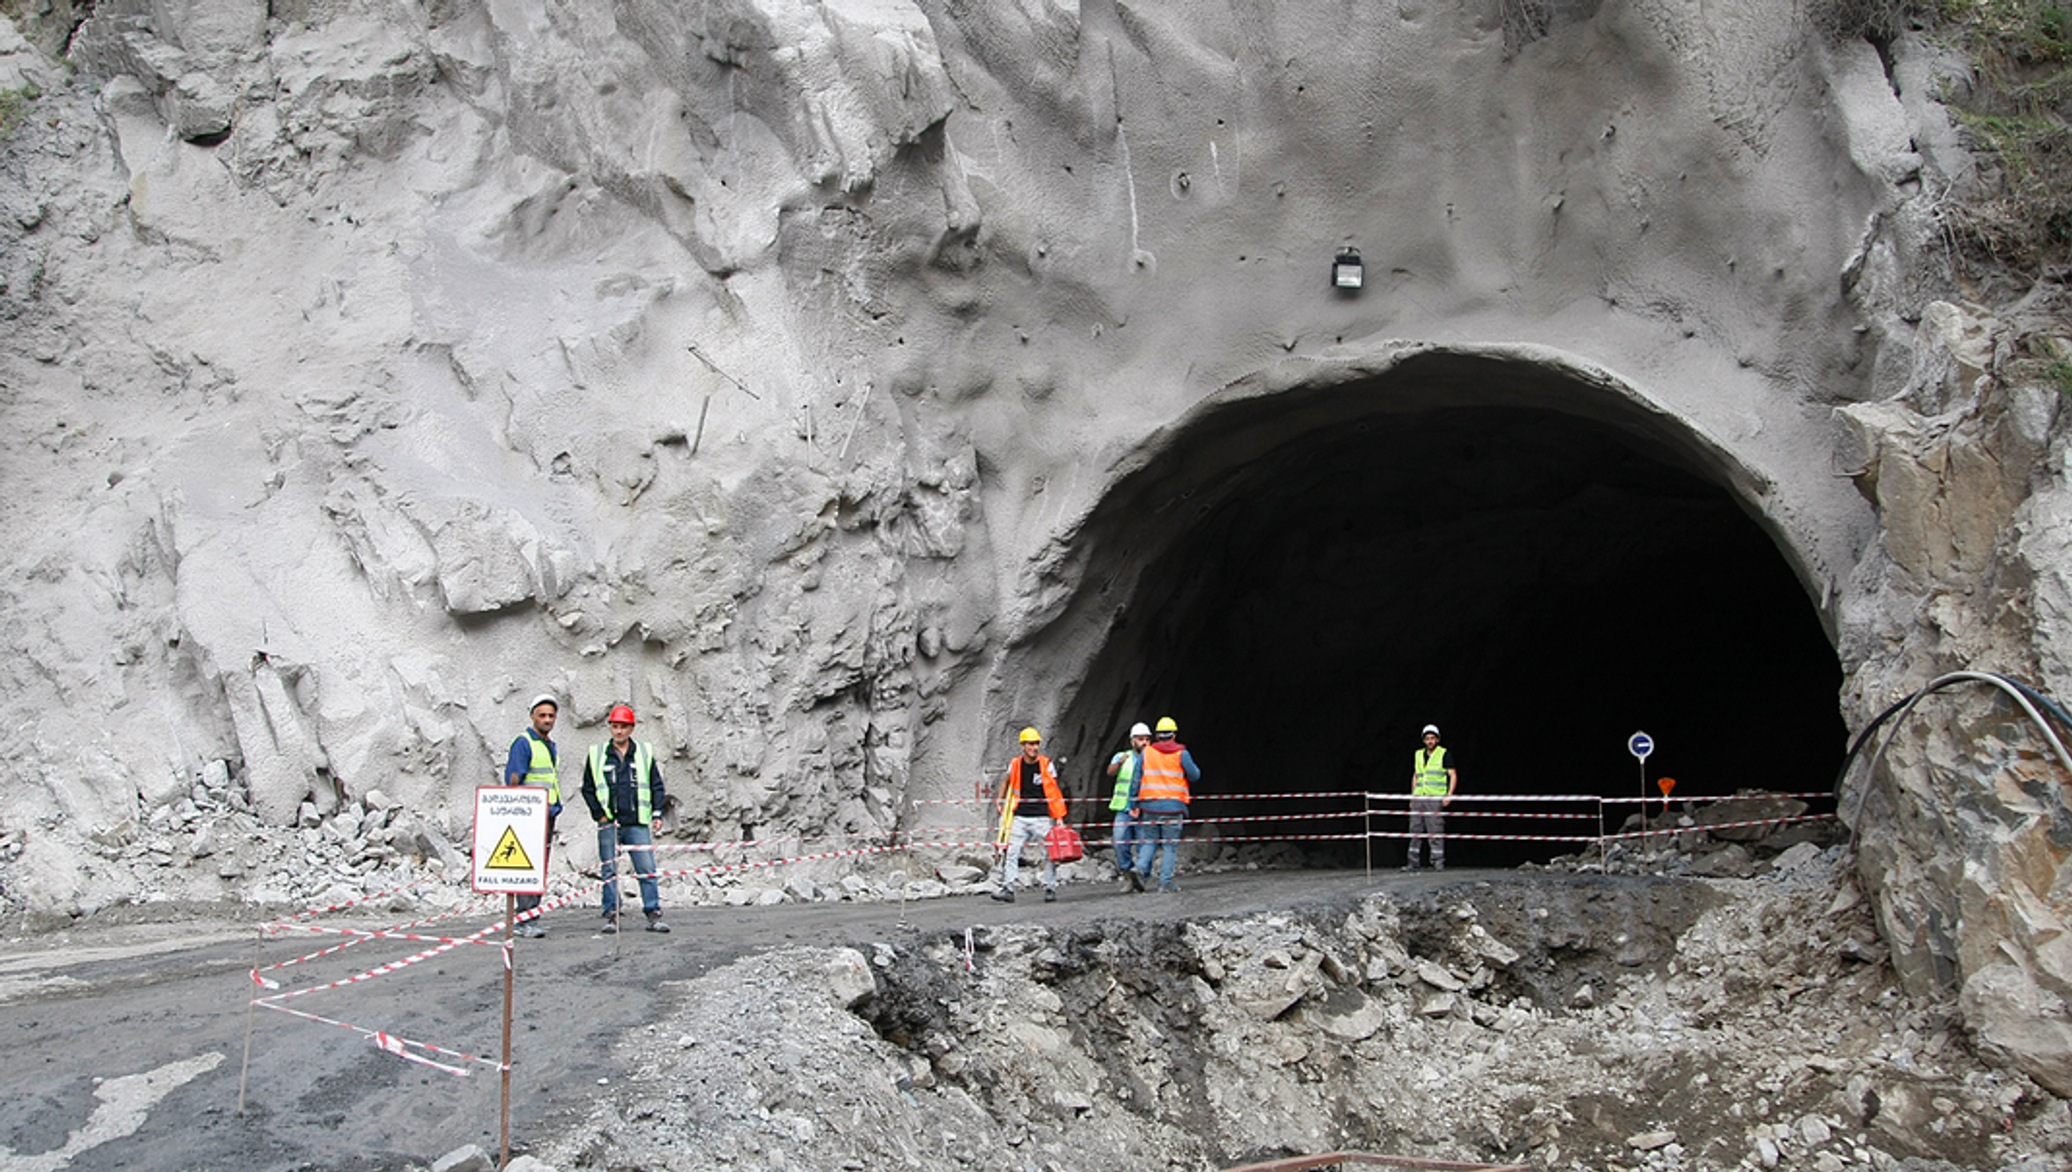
x=1586, y=1023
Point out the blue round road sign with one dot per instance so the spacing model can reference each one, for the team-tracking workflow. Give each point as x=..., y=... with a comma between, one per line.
x=1640, y=745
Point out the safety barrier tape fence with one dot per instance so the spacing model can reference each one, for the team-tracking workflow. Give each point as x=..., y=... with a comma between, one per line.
x=1396, y=795
x=1630, y=799
x=1716, y=826
x=309, y=913
x=361, y=936
x=394, y=1043
x=1350, y=793
x=1451, y=837
x=422, y=1052
x=1399, y=796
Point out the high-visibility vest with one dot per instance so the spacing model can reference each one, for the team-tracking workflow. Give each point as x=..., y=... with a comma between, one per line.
x=1164, y=779
x=1430, y=771
x=540, y=770
x=1123, y=777
x=643, y=780
x=1054, y=796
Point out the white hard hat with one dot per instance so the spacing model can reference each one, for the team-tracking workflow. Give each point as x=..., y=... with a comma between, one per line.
x=544, y=698
x=1432, y=729
x=1140, y=729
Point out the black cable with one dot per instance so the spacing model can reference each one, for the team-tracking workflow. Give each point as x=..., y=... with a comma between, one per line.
x=2035, y=697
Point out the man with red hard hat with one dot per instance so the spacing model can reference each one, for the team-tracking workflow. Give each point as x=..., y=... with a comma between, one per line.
x=622, y=785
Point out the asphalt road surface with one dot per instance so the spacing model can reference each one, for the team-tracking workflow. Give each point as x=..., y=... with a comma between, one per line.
x=125, y=1042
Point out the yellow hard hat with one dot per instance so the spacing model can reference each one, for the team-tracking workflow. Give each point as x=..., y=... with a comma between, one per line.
x=1030, y=734
x=1168, y=724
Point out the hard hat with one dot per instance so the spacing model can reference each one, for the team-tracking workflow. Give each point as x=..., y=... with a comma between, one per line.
x=1140, y=729
x=623, y=714
x=1030, y=734
x=544, y=698
x=1431, y=730
x=1167, y=724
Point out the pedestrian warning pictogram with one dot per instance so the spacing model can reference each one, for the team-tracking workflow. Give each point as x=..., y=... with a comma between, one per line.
x=509, y=854
x=511, y=839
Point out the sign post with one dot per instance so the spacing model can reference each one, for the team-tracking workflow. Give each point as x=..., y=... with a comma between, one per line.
x=1640, y=745
x=510, y=856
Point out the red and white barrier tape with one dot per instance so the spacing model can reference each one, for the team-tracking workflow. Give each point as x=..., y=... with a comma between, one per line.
x=1715, y=826
x=994, y=800
x=394, y=1044
x=309, y=913
x=1452, y=837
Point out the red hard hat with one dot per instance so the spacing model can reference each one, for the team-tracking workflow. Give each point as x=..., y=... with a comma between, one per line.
x=620, y=715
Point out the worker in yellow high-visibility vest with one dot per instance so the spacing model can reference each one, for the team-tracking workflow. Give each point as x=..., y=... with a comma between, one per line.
x=1432, y=781
x=533, y=760
x=1125, y=767
x=622, y=785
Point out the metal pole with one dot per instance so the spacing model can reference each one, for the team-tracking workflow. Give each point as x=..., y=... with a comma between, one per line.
x=1367, y=823
x=906, y=877
x=510, y=975
x=251, y=1008
x=1643, y=802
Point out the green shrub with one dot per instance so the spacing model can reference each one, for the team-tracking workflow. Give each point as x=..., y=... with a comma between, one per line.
x=14, y=108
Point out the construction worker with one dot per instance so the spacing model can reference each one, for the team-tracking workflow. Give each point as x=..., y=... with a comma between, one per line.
x=1432, y=780
x=1026, y=817
x=533, y=760
x=1160, y=804
x=1125, y=767
x=622, y=785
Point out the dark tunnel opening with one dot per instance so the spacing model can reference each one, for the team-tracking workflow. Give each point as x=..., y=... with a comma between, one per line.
x=1538, y=584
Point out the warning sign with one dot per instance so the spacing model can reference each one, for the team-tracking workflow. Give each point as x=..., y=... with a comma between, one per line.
x=511, y=839
x=509, y=854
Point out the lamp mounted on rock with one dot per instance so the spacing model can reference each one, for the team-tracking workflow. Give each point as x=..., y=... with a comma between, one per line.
x=1347, y=273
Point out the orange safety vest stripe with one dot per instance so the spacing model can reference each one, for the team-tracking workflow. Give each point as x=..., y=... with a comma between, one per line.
x=1052, y=794
x=1164, y=780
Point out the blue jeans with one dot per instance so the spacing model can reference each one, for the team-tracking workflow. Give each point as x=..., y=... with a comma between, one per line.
x=609, y=838
x=1125, y=840
x=1023, y=832
x=1153, y=830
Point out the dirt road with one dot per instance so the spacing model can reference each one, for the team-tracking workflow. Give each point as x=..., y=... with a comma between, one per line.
x=124, y=1041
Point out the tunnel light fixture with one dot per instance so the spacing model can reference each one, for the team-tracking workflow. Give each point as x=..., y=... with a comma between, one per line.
x=1346, y=271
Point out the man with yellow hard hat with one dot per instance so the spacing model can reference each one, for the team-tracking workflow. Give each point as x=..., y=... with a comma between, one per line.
x=1026, y=814
x=1160, y=802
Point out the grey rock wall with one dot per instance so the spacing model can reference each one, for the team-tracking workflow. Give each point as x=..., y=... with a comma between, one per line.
x=1963, y=823
x=371, y=368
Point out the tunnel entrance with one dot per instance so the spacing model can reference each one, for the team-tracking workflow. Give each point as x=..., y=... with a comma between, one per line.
x=1539, y=584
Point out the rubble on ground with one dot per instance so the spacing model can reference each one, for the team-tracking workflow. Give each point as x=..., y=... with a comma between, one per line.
x=1576, y=1022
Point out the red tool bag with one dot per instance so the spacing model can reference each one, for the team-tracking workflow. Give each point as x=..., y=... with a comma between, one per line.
x=1064, y=844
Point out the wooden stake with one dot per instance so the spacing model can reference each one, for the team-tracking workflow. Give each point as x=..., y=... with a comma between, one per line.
x=510, y=975
x=251, y=1007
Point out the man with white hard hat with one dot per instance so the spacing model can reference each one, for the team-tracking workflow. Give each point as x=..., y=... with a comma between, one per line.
x=533, y=760
x=1432, y=781
x=1126, y=767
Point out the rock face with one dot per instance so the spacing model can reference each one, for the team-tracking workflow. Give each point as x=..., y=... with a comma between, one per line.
x=1963, y=823
x=812, y=377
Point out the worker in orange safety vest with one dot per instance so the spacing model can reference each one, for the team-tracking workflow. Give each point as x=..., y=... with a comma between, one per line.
x=1160, y=803
x=1026, y=814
